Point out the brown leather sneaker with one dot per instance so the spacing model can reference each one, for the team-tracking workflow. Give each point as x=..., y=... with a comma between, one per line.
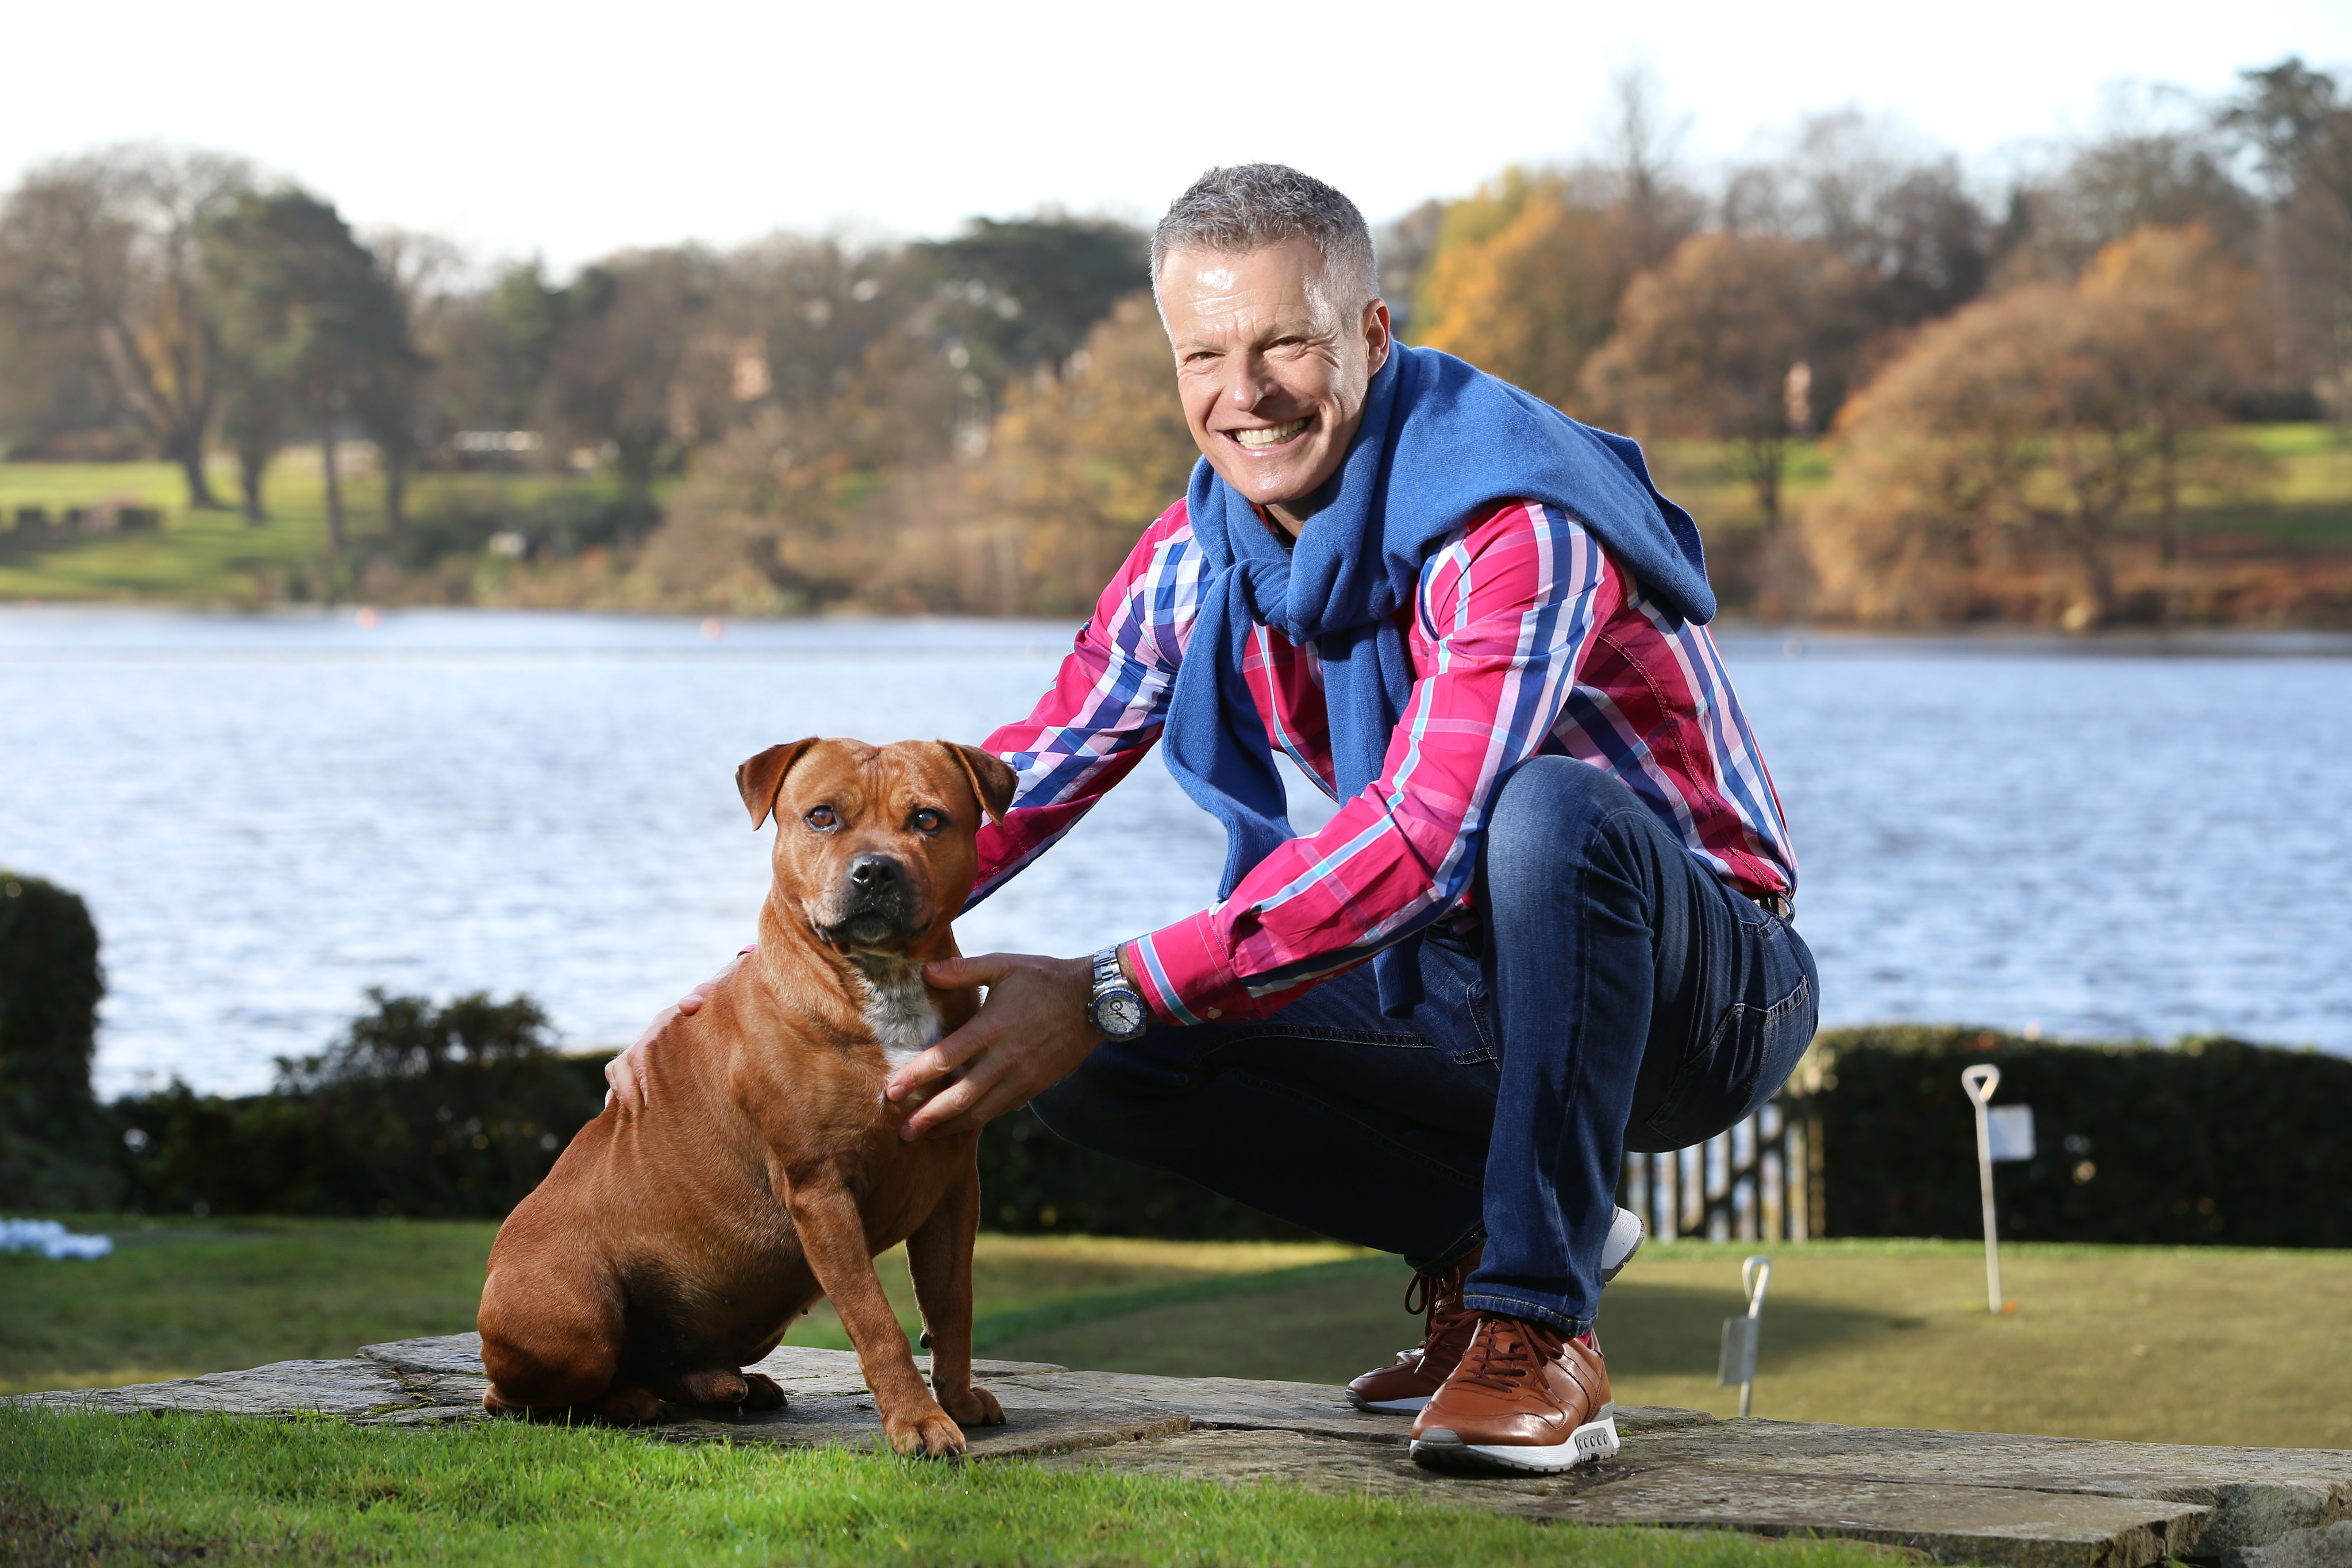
x=1406, y=1384
x=1526, y=1399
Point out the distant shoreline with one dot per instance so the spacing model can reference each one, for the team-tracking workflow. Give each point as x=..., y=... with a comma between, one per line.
x=1738, y=633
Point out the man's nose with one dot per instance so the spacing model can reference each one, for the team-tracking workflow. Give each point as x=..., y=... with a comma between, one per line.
x=1250, y=384
x=873, y=872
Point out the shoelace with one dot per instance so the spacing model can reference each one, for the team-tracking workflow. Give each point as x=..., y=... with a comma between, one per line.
x=1422, y=1294
x=1506, y=1351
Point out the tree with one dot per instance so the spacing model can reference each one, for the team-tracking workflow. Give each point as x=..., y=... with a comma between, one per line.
x=641, y=362
x=1079, y=464
x=306, y=320
x=99, y=262
x=2180, y=321
x=2297, y=124
x=1896, y=216
x=1026, y=292
x=1523, y=282
x=390, y=401
x=1713, y=342
x=2034, y=420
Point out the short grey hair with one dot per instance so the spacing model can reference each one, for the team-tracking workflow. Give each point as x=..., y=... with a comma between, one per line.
x=1231, y=212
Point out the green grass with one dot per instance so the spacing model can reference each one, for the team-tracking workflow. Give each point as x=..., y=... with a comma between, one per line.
x=2275, y=485
x=106, y=1488
x=2152, y=1344
x=2203, y=1345
x=217, y=558
x=2289, y=487
x=181, y=1297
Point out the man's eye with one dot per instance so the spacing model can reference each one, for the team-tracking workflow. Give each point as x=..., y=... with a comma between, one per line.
x=821, y=819
x=929, y=821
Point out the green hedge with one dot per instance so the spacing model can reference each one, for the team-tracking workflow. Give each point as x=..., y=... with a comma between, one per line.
x=454, y=1111
x=2209, y=1141
x=54, y=1151
x=1032, y=1181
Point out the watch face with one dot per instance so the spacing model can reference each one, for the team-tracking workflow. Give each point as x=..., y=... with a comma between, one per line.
x=1122, y=1014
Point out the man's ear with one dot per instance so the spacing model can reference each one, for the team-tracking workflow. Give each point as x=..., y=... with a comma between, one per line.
x=993, y=782
x=758, y=778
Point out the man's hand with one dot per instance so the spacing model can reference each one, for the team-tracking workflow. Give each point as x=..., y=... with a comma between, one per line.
x=626, y=1072
x=1029, y=1034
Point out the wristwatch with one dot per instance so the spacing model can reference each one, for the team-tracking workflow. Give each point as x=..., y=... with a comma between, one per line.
x=1114, y=1008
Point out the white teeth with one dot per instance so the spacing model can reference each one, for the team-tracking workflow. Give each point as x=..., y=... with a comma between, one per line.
x=1273, y=438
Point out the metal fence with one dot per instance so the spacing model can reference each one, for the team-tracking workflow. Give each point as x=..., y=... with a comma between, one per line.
x=1761, y=1181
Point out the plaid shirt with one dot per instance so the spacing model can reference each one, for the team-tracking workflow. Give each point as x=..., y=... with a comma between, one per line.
x=1525, y=640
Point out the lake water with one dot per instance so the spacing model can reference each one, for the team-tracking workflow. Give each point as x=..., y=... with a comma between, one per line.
x=270, y=814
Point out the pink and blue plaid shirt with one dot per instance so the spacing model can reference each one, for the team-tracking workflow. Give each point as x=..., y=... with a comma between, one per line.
x=1526, y=638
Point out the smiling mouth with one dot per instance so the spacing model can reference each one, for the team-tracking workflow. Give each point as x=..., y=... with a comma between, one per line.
x=1255, y=440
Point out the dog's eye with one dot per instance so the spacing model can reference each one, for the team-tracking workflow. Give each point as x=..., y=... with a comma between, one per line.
x=822, y=818
x=928, y=821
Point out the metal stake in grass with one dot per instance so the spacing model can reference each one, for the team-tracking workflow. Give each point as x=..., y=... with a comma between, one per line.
x=2003, y=1134
x=1739, y=1360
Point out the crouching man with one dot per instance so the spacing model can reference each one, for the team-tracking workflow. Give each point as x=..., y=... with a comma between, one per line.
x=1550, y=919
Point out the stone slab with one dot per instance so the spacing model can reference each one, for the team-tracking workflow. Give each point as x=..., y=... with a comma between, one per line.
x=2250, y=1495
x=2328, y=1548
x=353, y=1386
x=1959, y=1497
x=1950, y=1524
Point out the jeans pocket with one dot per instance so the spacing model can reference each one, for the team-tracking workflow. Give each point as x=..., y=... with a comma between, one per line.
x=1747, y=1055
x=1482, y=1045
x=1765, y=1043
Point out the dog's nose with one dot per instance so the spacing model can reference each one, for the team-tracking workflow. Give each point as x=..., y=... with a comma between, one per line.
x=873, y=872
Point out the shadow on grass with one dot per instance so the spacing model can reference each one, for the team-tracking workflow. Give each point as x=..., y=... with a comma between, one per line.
x=1676, y=1331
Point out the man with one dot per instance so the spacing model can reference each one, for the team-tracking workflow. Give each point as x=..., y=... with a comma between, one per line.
x=1550, y=919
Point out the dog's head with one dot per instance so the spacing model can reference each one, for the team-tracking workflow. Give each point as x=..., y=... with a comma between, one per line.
x=874, y=844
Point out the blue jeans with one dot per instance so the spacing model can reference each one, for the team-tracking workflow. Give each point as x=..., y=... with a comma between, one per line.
x=1616, y=995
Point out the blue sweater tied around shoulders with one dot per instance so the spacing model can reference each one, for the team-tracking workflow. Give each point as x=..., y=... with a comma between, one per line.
x=1439, y=441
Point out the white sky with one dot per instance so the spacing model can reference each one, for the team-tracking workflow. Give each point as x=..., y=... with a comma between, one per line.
x=569, y=131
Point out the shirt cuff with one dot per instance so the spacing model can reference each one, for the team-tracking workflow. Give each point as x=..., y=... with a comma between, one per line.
x=1185, y=974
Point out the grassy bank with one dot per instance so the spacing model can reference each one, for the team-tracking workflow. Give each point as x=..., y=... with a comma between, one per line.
x=217, y=559
x=2209, y=1345
x=2282, y=497
x=100, y=1489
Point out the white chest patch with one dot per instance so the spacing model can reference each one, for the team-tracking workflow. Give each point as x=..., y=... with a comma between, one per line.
x=898, y=1007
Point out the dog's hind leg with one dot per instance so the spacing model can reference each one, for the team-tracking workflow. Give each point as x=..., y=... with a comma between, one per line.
x=551, y=1345
x=938, y=1254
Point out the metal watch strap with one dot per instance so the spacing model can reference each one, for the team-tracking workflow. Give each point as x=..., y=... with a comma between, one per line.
x=1109, y=979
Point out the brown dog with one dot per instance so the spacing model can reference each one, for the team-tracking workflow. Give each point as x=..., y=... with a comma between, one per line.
x=671, y=1246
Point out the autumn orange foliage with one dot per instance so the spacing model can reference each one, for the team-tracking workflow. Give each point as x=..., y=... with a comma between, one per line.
x=2024, y=428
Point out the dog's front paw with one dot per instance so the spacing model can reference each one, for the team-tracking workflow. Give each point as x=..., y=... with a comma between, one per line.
x=933, y=1434
x=974, y=1407
x=764, y=1394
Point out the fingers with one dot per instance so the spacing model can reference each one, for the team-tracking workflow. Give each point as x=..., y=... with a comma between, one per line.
x=982, y=969
x=621, y=1077
x=943, y=1059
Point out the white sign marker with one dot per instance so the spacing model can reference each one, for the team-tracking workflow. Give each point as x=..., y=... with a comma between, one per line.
x=1737, y=1364
x=2012, y=1139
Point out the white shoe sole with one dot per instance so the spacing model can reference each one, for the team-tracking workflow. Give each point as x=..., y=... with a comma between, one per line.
x=1626, y=1233
x=1596, y=1439
x=1389, y=1407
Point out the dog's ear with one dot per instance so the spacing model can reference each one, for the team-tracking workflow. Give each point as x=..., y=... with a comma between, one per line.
x=993, y=782
x=758, y=778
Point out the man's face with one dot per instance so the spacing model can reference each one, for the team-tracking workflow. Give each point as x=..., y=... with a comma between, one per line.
x=1271, y=366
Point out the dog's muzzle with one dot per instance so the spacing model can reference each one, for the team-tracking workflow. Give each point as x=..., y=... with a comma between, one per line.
x=876, y=904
